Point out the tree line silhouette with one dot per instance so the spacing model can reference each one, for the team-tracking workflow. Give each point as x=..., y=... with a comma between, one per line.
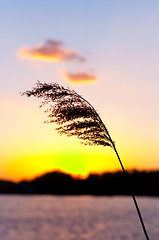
x=143, y=183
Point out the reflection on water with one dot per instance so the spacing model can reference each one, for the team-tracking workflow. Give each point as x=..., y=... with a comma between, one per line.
x=76, y=218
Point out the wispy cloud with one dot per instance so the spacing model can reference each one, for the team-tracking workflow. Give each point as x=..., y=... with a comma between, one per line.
x=79, y=77
x=51, y=50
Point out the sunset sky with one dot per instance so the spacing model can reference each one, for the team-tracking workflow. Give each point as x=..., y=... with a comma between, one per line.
x=107, y=51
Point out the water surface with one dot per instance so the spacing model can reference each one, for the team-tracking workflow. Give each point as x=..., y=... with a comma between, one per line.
x=76, y=218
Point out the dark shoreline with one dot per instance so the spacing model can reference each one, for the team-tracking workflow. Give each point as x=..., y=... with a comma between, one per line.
x=139, y=183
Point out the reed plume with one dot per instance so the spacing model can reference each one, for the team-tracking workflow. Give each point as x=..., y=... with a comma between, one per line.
x=75, y=116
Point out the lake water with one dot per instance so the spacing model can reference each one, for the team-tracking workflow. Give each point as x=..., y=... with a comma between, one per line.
x=76, y=218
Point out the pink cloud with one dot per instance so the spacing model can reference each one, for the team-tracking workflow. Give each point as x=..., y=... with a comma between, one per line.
x=51, y=50
x=80, y=77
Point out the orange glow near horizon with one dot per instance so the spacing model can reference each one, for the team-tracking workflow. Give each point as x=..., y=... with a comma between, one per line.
x=37, y=148
x=75, y=164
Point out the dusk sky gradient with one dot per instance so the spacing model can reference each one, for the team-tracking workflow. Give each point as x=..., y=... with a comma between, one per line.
x=107, y=51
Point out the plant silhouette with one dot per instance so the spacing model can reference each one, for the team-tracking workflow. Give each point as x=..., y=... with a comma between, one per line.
x=75, y=116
